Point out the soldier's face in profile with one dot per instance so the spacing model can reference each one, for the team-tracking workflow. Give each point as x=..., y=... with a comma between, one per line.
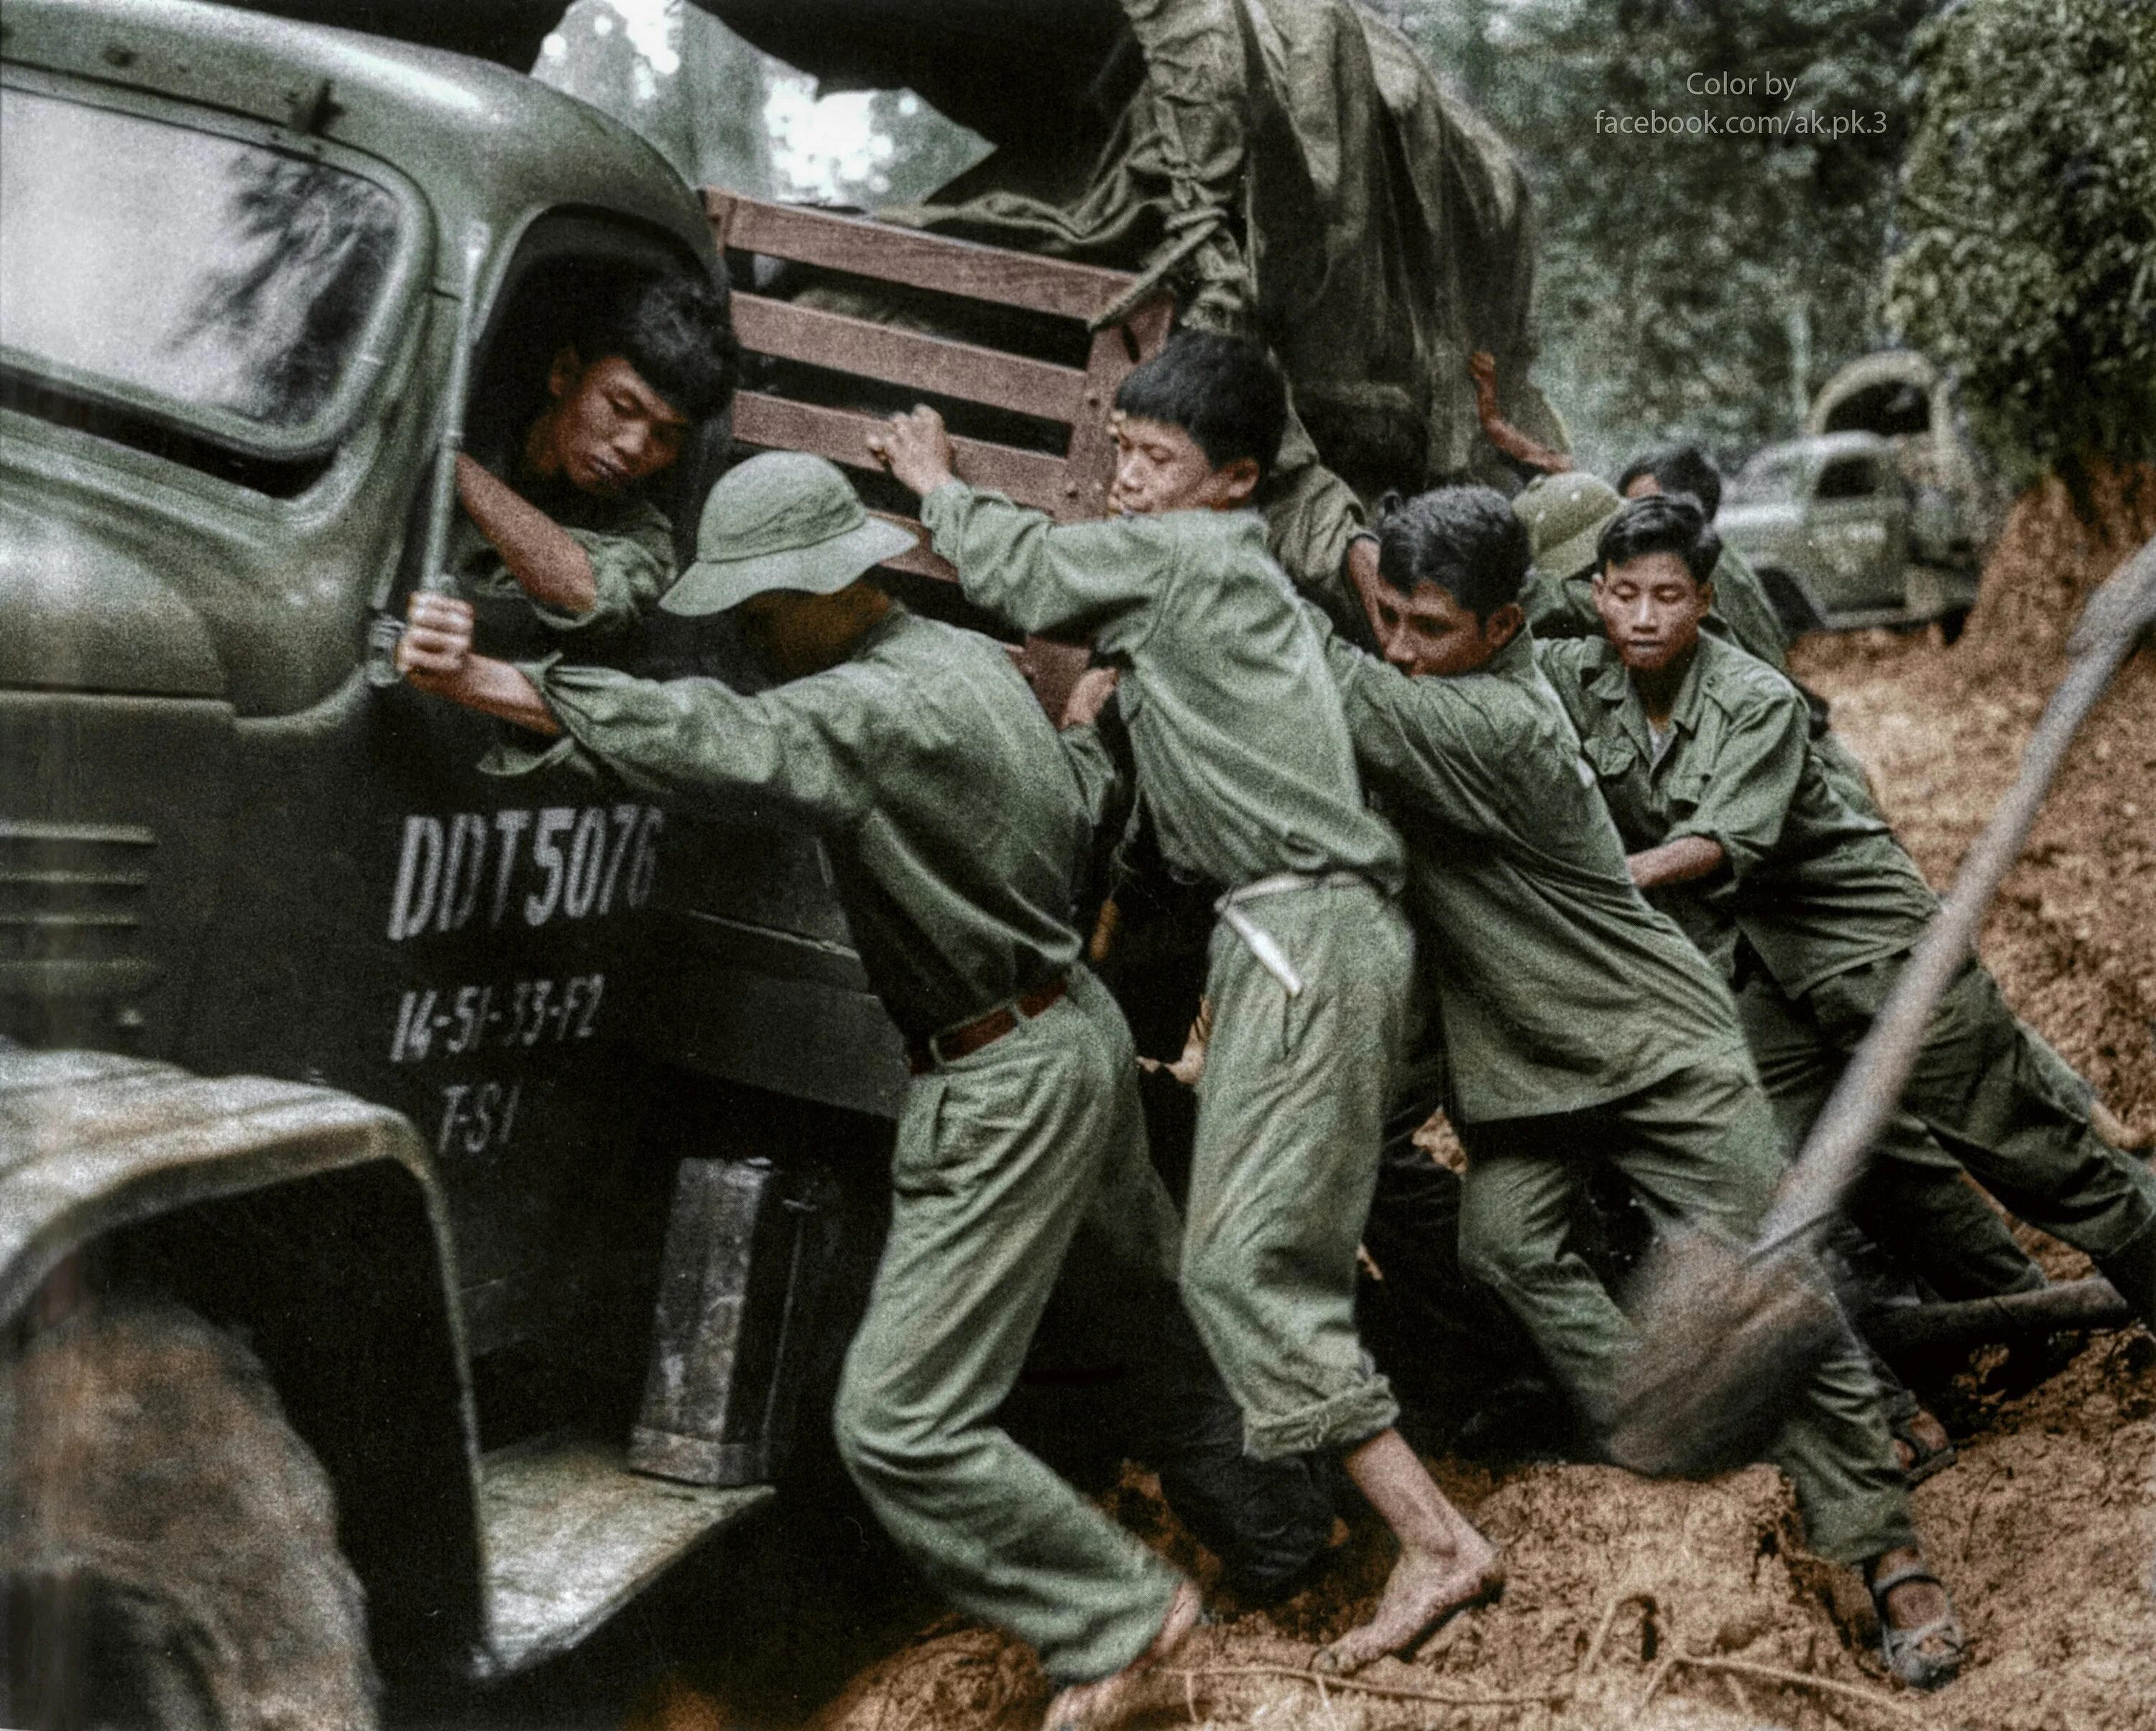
x=1651, y=609
x=1160, y=467
x=607, y=429
x=1429, y=634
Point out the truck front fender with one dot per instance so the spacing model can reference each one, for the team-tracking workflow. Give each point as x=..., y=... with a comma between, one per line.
x=308, y=1222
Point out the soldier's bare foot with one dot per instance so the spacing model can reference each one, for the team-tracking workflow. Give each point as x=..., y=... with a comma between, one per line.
x=1085, y=1706
x=1424, y=1588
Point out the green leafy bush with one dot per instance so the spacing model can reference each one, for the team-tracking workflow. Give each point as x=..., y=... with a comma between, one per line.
x=2026, y=263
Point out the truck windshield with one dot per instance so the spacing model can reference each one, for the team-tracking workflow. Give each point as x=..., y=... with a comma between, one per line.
x=204, y=271
x=1767, y=478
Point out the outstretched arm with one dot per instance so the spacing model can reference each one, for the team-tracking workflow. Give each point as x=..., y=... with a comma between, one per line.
x=1508, y=439
x=435, y=655
x=1039, y=575
x=810, y=745
x=545, y=560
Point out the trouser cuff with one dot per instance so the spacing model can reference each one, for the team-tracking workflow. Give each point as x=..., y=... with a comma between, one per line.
x=1351, y=1417
x=1857, y=1529
x=2132, y=1268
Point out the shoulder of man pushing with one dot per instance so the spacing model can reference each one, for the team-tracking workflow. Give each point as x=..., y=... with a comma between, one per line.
x=1740, y=683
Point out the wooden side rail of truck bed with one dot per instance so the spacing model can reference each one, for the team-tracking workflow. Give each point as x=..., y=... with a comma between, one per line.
x=1072, y=484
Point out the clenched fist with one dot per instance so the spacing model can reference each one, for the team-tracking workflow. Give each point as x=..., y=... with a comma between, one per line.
x=436, y=648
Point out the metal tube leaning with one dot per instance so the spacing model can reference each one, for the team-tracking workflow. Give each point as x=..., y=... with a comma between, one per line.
x=1725, y=1330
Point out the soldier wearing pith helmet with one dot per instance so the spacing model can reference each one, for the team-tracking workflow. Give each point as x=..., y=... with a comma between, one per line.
x=955, y=823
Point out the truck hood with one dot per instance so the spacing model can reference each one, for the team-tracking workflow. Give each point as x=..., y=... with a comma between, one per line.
x=84, y=615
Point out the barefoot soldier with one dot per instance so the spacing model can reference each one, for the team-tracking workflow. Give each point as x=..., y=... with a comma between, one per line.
x=1243, y=760
x=956, y=824
x=1737, y=826
x=1579, y=1024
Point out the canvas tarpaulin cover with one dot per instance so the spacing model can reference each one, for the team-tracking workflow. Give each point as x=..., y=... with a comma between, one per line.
x=1295, y=159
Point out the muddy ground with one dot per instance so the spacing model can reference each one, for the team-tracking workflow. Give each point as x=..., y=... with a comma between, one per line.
x=1667, y=1606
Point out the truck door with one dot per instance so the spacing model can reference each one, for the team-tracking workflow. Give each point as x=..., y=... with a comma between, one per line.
x=1858, y=529
x=509, y=919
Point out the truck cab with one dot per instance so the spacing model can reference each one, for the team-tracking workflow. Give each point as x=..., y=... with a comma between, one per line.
x=314, y=1039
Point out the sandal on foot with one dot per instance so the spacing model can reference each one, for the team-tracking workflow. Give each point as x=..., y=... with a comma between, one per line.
x=1903, y=1649
x=1923, y=1459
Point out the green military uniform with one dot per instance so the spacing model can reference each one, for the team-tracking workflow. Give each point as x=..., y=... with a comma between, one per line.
x=1578, y=1023
x=955, y=826
x=1814, y=918
x=1243, y=760
x=626, y=537
x=1966, y=1252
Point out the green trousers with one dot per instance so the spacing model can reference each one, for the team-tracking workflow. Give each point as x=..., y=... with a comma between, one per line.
x=1000, y=1157
x=1290, y=1115
x=1699, y=1145
x=1914, y=1200
x=1996, y=1097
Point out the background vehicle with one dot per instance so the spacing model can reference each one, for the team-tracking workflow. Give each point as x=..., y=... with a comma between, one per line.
x=1882, y=514
x=1841, y=540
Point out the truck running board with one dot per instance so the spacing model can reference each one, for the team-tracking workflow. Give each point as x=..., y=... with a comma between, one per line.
x=570, y=1535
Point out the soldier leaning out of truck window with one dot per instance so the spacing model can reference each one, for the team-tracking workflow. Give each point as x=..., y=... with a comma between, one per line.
x=571, y=532
x=1242, y=757
x=957, y=823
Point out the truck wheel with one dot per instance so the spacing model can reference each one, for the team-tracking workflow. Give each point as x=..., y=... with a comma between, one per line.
x=168, y=1551
x=1951, y=623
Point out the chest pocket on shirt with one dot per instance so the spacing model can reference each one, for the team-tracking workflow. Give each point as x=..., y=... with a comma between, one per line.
x=1613, y=755
x=1682, y=791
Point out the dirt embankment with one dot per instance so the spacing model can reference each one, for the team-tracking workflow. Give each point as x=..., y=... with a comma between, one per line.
x=2072, y=936
x=1694, y=1607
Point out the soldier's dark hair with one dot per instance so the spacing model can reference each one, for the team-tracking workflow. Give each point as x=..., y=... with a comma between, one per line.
x=1466, y=540
x=676, y=331
x=1660, y=523
x=1224, y=392
x=1679, y=468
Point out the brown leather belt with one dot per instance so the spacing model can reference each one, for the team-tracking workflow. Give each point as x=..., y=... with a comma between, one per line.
x=953, y=1044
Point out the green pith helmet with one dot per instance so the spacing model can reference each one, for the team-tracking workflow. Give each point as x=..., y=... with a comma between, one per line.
x=783, y=520
x=1565, y=516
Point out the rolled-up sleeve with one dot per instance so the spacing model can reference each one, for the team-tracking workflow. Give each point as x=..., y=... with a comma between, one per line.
x=629, y=572
x=632, y=567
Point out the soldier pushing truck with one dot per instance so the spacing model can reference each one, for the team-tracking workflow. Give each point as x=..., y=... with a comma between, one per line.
x=1213, y=650
x=1623, y=891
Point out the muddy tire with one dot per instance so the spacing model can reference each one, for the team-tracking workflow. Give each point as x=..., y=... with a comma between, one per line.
x=168, y=1552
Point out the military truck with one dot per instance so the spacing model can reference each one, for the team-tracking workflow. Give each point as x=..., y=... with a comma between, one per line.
x=394, y=1161
x=1879, y=515
x=390, y=1158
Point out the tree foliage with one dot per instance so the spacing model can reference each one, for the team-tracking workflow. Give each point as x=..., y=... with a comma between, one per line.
x=2027, y=257
x=1694, y=282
